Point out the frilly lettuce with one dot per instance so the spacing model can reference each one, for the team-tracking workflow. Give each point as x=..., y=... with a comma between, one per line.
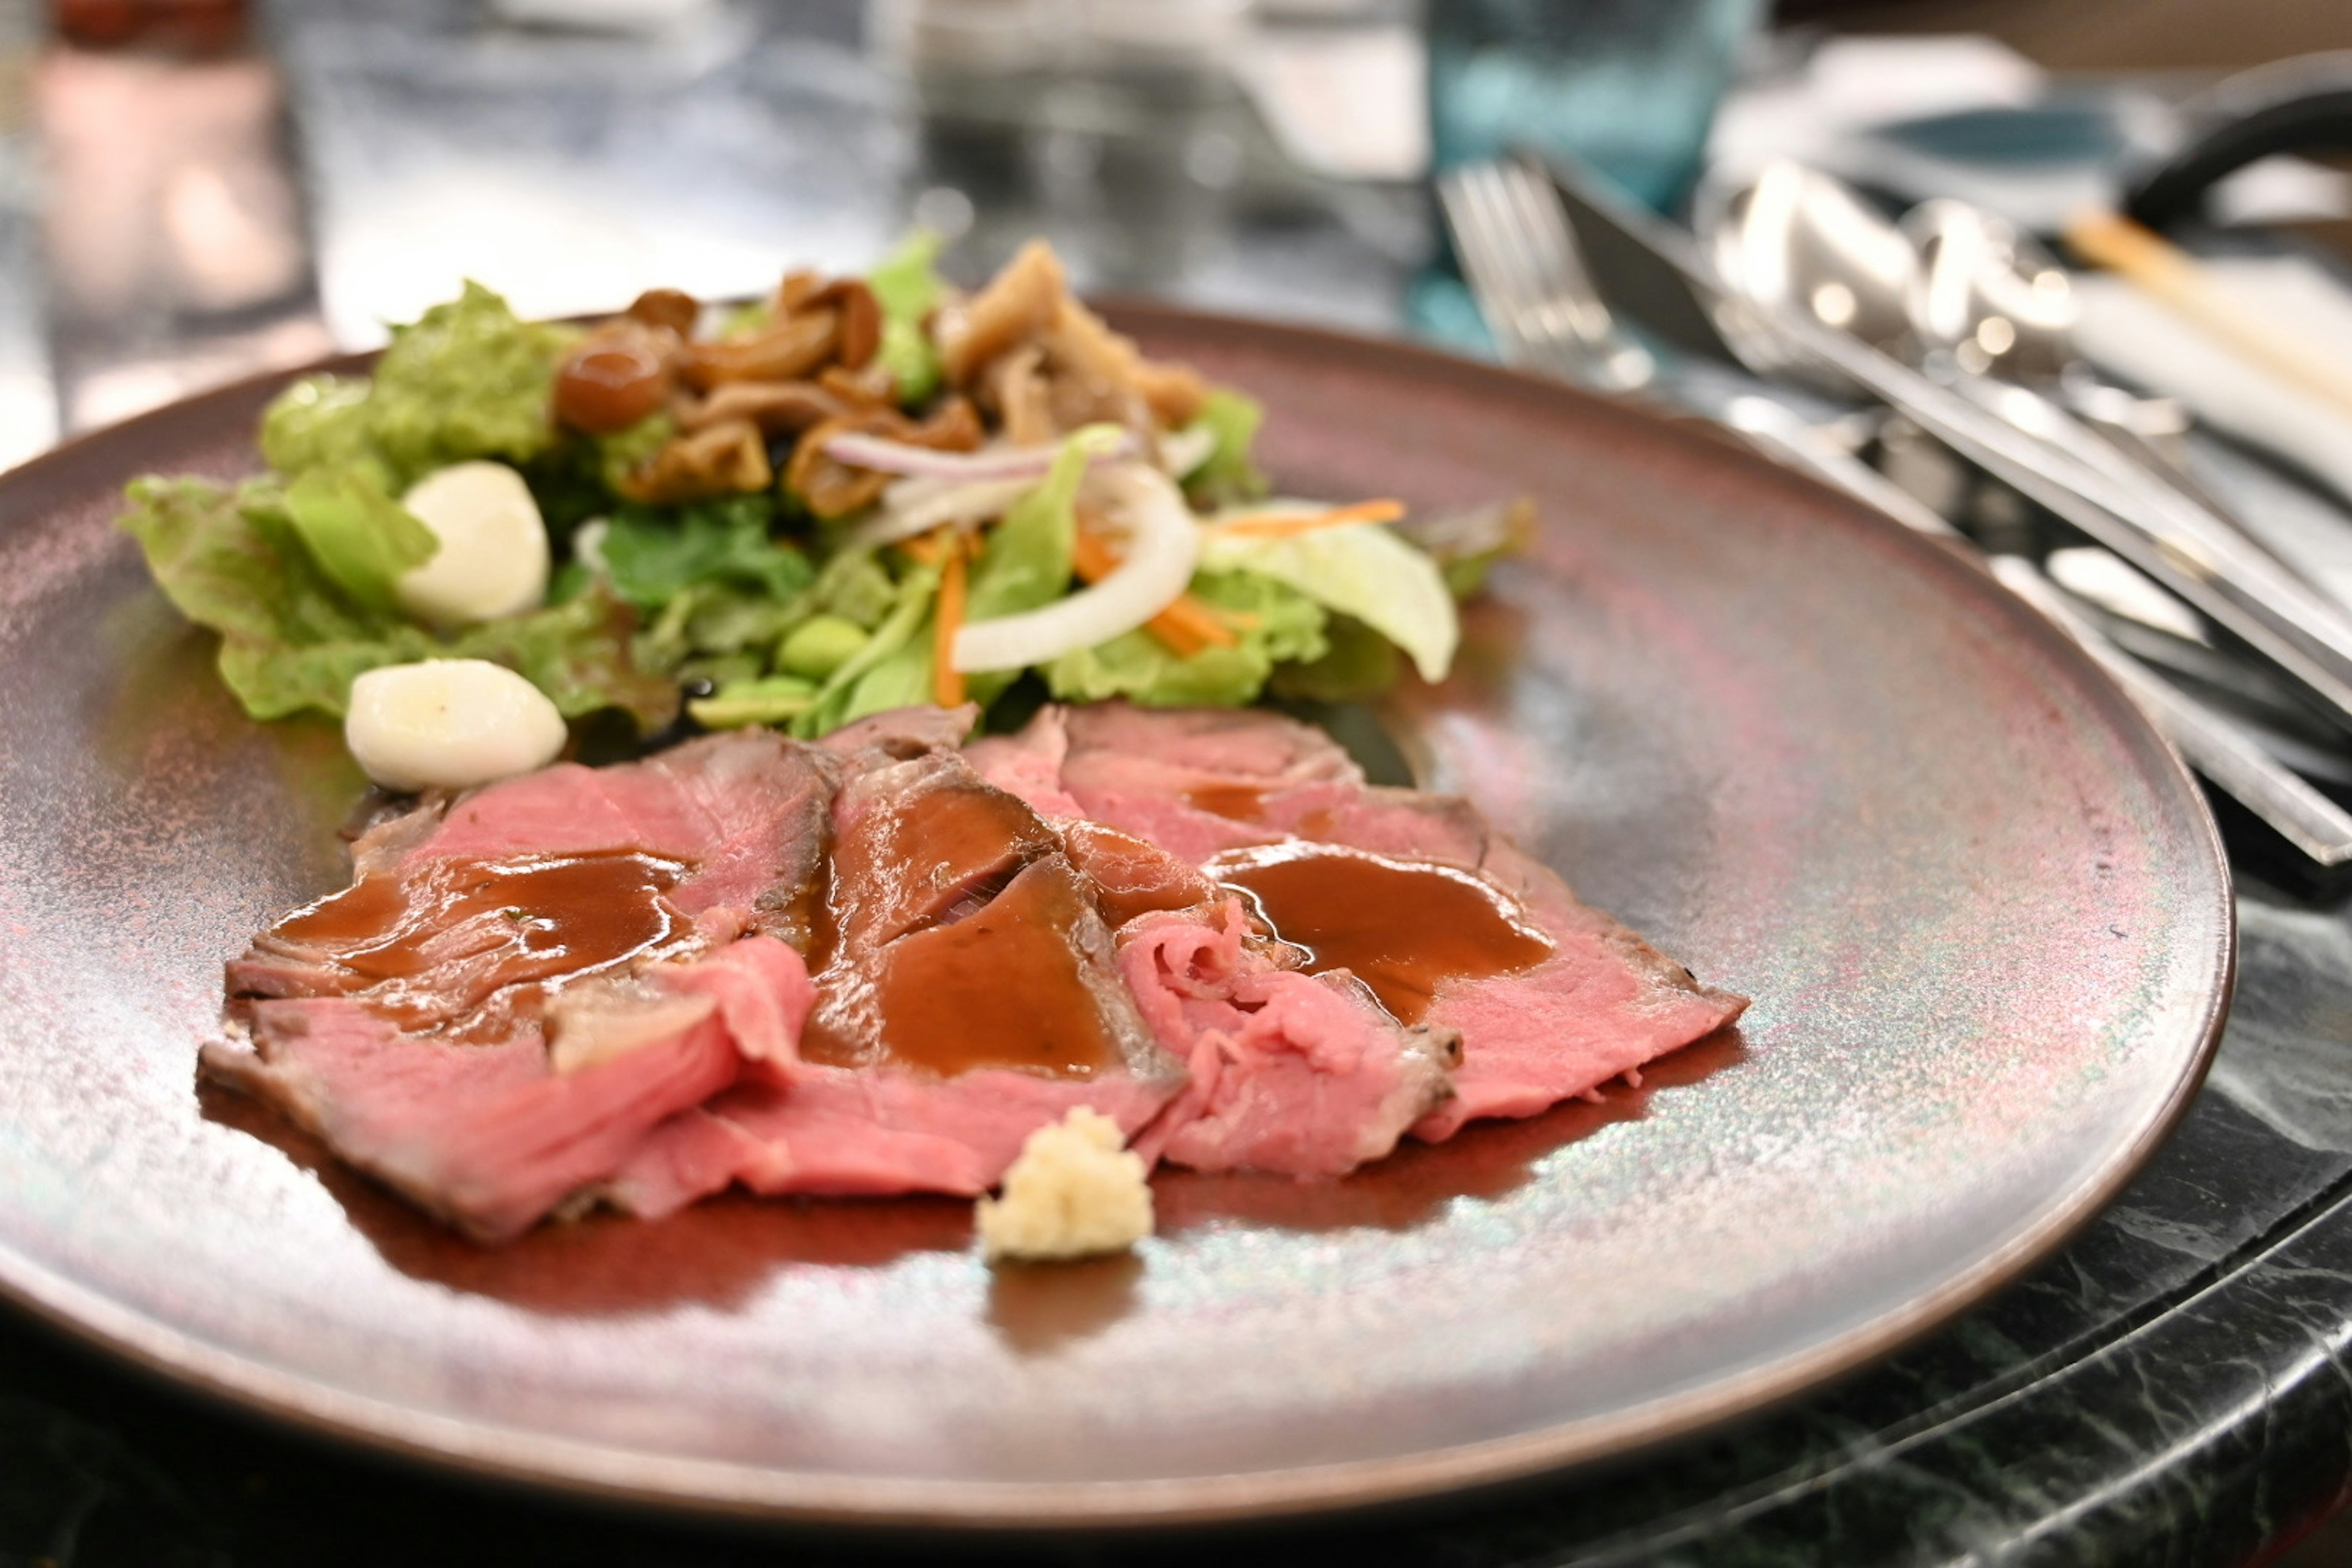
x=908, y=287
x=1228, y=474
x=893, y=669
x=466, y=380
x=652, y=554
x=1026, y=562
x=1276, y=623
x=361, y=538
x=1360, y=570
x=292, y=639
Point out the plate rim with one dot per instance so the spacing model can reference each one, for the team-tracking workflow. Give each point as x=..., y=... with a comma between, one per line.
x=705, y=1487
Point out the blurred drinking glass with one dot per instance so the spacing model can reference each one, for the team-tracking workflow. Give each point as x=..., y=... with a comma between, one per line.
x=1628, y=86
x=1113, y=127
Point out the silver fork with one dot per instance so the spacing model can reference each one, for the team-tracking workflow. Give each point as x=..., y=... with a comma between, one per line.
x=1529, y=279
x=1520, y=253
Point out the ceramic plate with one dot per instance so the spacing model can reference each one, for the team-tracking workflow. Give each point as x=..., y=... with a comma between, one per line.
x=1981, y=908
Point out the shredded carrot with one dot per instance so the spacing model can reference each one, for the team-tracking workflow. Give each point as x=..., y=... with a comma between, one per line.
x=947, y=680
x=1188, y=626
x=923, y=547
x=1284, y=524
x=1185, y=628
x=1090, y=557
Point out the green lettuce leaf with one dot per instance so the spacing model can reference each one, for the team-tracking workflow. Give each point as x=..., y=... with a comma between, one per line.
x=1026, y=562
x=1228, y=474
x=854, y=586
x=907, y=286
x=1359, y=665
x=1277, y=624
x=292, y=639
x=893, y=669
x=902, y=678
x=1361, y=570
x=360, y=537
x=578, y=653
x=466, y=380
x=652, y=554
x=231, y=560
x=319, y=422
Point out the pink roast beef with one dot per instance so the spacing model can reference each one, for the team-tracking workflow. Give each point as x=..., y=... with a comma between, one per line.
x=1221, y=787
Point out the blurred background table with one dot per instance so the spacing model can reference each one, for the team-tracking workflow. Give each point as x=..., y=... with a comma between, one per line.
x=235, y=193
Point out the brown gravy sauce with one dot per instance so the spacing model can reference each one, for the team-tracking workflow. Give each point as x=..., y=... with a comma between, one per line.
x=539, y=922
x=1241, y=803
x=1001, y=987
x=1403, y=926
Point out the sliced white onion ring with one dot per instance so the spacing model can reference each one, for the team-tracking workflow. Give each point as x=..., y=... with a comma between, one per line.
x=1162, y=541
x=921, y=503
x=1181, y=451
x=885, y=456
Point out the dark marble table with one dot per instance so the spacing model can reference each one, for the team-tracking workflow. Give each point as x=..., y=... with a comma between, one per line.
x=2172, y=1388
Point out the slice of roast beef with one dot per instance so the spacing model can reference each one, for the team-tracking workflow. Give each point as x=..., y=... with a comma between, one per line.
x=463, y=913
x=967, y=994
x=1537, y=1030
x=1029, y=764
x=903, y=733
x=493, y=1136
x=524, y=982
x=1604, y=1004
x=1130, y=875
x=869, y=1132
x=744, y=811
x=1300, y=1075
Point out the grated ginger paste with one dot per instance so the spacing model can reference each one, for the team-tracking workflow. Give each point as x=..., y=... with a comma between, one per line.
x=1075, y=1191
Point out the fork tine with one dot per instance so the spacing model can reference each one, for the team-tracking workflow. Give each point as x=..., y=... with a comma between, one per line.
x=1473, y=212
x=1520, y=257
x=1561, y=279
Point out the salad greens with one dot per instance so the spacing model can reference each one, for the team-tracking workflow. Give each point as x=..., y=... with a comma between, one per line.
x=361, y=538
x=651, y=556
x=908, y=287
x=292, y=639
x=1277, y=624
x=762, y=616
x=468, y=379
x=1363, y=571
x=1228, y=474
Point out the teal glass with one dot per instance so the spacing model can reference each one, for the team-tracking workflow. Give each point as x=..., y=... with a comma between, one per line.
x=1628, y=86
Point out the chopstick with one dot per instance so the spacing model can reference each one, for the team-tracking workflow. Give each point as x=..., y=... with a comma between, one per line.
x=2170, y=274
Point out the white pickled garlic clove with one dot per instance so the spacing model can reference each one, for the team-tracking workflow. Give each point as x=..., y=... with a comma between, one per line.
x=449, y=723
x=493, y=556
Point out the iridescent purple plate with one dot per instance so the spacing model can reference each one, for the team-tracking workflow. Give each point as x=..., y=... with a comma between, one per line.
x=1982, y=910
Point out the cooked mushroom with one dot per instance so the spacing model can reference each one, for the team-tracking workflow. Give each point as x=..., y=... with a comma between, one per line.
x=1045, y=364
x=834, y=488
x=670, y=308
x=777, y=407
x=1014, y=388
x=618, y=375
x=861, y=320
x=1018, y=304
x=1173, y=392
x=723, y=459
x=787, y=349
x=872, y=382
